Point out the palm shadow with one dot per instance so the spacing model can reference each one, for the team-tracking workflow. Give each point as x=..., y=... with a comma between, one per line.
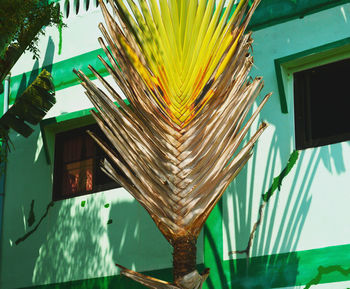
x=273, y=261
x=29, y=77
x=134, y=235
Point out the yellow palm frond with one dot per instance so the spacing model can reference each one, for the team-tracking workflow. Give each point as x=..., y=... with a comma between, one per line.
x=184, y=67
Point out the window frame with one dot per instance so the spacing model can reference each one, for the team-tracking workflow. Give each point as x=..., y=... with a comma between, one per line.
x=304, y=137
x=57, y=194
x=286, y=66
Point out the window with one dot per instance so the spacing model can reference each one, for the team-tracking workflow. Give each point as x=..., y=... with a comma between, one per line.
x=77, y=164
x=321, y=105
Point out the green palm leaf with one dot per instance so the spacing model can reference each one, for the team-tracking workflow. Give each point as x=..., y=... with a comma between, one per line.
x=30, y=107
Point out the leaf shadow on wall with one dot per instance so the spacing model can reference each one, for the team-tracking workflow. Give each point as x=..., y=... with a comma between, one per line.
x=35, y=71
x=85, y=241
x=76, y=246
x=273, y=262
x=137, y=243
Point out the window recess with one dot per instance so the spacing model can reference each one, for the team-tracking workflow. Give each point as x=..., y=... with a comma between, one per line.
x=312, y=90
x=77, y=164
x=321, y=105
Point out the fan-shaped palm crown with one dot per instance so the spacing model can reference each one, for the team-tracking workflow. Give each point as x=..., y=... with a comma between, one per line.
x=183, y=66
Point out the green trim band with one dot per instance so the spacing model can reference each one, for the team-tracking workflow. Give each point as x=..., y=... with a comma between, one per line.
x=84, y=113
x=287, y=270
x=62, y=72
x=65, y=122
x=299, y=268
x=313, y=57
x=116, y=281
x=66, y=117
x=270, y=12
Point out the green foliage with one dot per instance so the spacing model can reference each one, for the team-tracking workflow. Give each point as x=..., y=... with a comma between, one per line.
x=21, y=25
x=18, y=17
x=30, y=107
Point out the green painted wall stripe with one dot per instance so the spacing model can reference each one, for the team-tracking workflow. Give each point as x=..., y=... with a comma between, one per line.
x=272, y=271
x=213, y=250
x=66, y=117
x=316, y=50
x=268, y=13
x=289, y=269
x=65, y=122
x=313, y=55
x=272, y=12
x=72, y=115
x=281, y=270
x=322, y=265
x=62, y=72
x=116, y=281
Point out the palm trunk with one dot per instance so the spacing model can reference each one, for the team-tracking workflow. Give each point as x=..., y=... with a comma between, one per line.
x=184, y=256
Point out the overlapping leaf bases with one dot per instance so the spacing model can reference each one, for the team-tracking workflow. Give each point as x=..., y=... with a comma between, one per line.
x=183, y=66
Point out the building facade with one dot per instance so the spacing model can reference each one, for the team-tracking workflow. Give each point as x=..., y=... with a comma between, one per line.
x=54, y=235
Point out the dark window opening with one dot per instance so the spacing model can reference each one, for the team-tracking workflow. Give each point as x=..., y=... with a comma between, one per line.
x=78, y=164
x=321, y=105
